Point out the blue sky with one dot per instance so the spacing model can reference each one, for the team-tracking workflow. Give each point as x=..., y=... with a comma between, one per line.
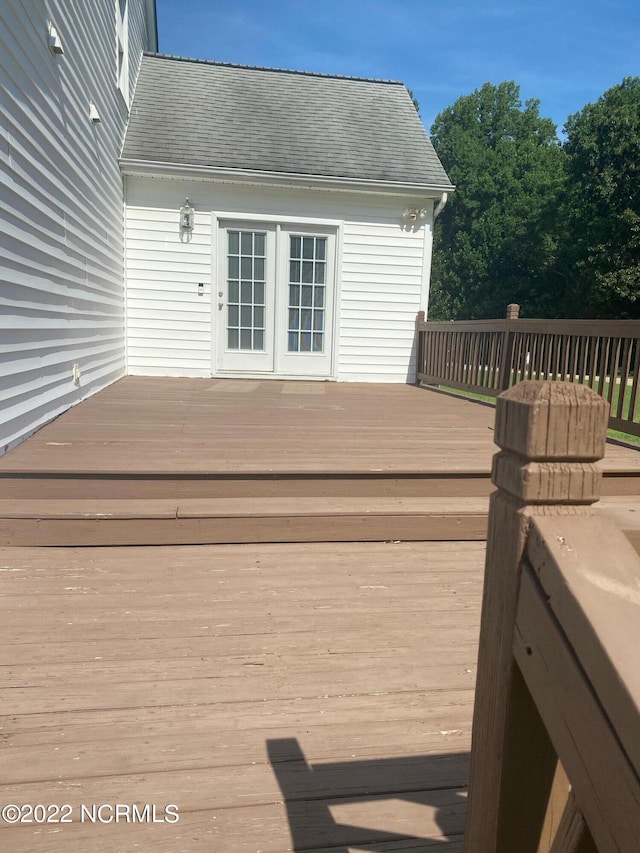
x=566, y=53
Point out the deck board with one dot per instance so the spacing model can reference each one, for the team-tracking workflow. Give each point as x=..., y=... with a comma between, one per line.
x=284, y=698
x=205, y=426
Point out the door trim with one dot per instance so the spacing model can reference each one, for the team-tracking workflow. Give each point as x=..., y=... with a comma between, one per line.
x=274, y=219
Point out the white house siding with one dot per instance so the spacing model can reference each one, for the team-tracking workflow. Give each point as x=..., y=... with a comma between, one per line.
x=382, y=285
x=168, y=320
x=140, y=37
x=61, y=229
x=383, y=277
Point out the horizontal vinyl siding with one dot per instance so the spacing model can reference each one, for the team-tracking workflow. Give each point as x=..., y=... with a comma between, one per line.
x=381, y=283
x=61, y=233
x=138, y=40
x=168, y=322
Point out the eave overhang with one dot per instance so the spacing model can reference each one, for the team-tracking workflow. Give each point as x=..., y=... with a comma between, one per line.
x=253, y=177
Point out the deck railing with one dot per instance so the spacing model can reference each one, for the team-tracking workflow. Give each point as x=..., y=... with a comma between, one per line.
x=555, y=758
x=489, y=356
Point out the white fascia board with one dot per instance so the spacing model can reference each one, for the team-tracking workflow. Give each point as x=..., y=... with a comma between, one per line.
x=281, y=179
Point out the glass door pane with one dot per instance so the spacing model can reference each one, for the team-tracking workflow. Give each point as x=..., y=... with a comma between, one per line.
x=307, y=286
x=246, y=255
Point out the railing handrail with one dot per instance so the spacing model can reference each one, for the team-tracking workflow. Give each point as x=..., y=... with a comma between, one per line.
x=488, y=356
x=555, y=759
x=462, y=325
x=612, y=328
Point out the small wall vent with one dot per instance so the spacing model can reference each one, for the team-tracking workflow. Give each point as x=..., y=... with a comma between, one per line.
x=54, y=42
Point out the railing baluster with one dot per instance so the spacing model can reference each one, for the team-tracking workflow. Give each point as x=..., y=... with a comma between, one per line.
x=492, y=373
x=544, y=357
x=633, y=400
x=568, y=358
x=603, y=366
x=477, y=358
x=557, y=341
x=535, y=347
x=624, y=363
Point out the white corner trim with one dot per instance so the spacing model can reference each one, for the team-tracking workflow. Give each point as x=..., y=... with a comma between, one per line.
x=125, y=276
x=427, y=258
x=214, y=285
x=337, y=302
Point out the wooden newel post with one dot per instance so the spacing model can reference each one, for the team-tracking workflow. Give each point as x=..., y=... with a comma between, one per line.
x=551, y=434
x=513, y=312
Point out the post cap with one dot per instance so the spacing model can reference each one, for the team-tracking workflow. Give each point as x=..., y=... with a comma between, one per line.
x=552, y=421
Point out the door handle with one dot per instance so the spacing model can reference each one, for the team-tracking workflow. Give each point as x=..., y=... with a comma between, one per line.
x=220, y=305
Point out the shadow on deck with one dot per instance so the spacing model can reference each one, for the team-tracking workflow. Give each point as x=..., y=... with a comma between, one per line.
x=320, y=809
x=196, y=676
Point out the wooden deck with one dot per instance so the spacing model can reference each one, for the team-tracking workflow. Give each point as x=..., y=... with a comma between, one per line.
x=284, y=698
x=202, y=428
x=178, y=461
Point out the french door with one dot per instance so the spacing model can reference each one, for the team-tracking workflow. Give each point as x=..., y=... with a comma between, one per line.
x=245, y=291
x=275, y=299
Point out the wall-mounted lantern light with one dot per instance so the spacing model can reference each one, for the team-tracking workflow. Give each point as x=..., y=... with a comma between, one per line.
x=54, y=42
x=413, y=214
x=187, y=215
x=94, y=115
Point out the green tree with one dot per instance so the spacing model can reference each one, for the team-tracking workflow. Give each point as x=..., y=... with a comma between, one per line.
x=496, y=241
x=601, y=256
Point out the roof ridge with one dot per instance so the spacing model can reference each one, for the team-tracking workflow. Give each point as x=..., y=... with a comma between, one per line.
x=275, y=70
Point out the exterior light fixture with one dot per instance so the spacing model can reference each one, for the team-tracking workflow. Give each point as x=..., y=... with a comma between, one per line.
x=187, y=215
x=53, y=41
x=414, y=213
x=94, y=115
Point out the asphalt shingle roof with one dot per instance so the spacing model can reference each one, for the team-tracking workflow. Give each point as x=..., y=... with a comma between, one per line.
x=195, y=113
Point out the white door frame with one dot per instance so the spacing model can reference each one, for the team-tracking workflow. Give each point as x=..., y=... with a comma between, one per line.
x=284, y=366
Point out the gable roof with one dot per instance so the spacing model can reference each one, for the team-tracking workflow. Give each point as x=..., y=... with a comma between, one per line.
x=229, y=117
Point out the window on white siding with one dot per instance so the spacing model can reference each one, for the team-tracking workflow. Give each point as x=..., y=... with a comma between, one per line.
x=122, y=48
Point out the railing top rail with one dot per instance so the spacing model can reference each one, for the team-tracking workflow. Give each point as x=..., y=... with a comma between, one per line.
x=590, y=575
x=591, y=328
x=462, y=326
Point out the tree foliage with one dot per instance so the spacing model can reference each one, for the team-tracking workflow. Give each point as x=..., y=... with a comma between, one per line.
x=496, y=240
x=602, y=249
x=414, y=100
x=553, y=227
